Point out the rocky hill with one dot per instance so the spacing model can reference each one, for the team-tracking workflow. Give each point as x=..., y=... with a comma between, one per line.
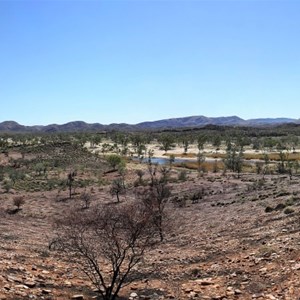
x=185, y=122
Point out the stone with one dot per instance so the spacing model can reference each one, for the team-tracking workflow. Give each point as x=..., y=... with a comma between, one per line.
x=192, y=295
x=13, y=279
x=271, y=297
x=22, y=294
x=188, y=290
x=263, y=270
x=77, y=297
x=296, y=267
x=67, y=283
x=204, y=281
x=30, y=283
x=133, y=296
x=21, y=286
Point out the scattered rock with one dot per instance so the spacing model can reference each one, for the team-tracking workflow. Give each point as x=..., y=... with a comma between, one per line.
x=133, y=296
x=204, y=281
x=77, y=297
x=30, y=284
x=238, y=292
x=296, y=267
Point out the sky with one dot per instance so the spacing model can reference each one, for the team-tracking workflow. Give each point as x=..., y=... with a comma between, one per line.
x=142, y=60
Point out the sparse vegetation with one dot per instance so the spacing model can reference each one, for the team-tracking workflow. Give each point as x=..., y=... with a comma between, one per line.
x=209, y=214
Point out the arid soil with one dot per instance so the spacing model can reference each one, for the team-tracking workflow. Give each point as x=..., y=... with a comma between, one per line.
x=236, y=242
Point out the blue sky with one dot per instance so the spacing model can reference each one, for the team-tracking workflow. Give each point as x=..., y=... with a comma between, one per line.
x=133, y=61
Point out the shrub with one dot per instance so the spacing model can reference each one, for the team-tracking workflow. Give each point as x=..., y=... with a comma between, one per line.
x=18, y=201
x=269, y=209
x=288, y=210
x=280, y=206
x=7, y=186
x=182, y=176
x=140, y=174
x=290, y=202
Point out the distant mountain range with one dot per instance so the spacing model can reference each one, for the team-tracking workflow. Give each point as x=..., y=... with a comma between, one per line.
x=186, y=122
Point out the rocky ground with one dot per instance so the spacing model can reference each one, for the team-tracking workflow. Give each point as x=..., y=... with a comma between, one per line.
x=240, y=241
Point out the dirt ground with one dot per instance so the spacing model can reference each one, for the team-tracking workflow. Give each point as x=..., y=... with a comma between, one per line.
x=236, y=242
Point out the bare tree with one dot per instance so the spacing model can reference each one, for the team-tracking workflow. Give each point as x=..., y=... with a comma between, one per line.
x=107, y=243
x=86, y=198
x=70, y=182
x=155, y=198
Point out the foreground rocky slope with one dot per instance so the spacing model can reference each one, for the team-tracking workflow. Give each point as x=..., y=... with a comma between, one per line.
x=240, y=241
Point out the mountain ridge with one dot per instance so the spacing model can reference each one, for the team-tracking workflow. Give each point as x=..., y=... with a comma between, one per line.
x=171, y=123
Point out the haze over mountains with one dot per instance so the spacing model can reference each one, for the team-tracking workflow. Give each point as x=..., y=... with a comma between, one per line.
x=185, y=122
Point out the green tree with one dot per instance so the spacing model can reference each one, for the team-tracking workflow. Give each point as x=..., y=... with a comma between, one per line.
x=266, y=164
x=185, y=143
x=117, y=188
x=95, y=140
x=201, y=140
x=283, y=158
x=114, y=160
x=200, y=161
x=216, y=141
x=171, y=160
x=234, y=159
x=166, y=141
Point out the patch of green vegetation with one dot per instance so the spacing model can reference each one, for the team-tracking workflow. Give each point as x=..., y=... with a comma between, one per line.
x=289, y=210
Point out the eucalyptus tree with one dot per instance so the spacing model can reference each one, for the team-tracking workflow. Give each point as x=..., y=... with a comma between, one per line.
x=166, y=140
x=95, y=140
x=234, y=159
x=269, y=143
x=201, y=140
x=216, y=141
x=185, y=144
x=200, y=162
x=114, y=160
x=141, y=151
x=117, y=188
x=266, y=158
x=283, y=159
x=137, y=141
x=150, y=155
